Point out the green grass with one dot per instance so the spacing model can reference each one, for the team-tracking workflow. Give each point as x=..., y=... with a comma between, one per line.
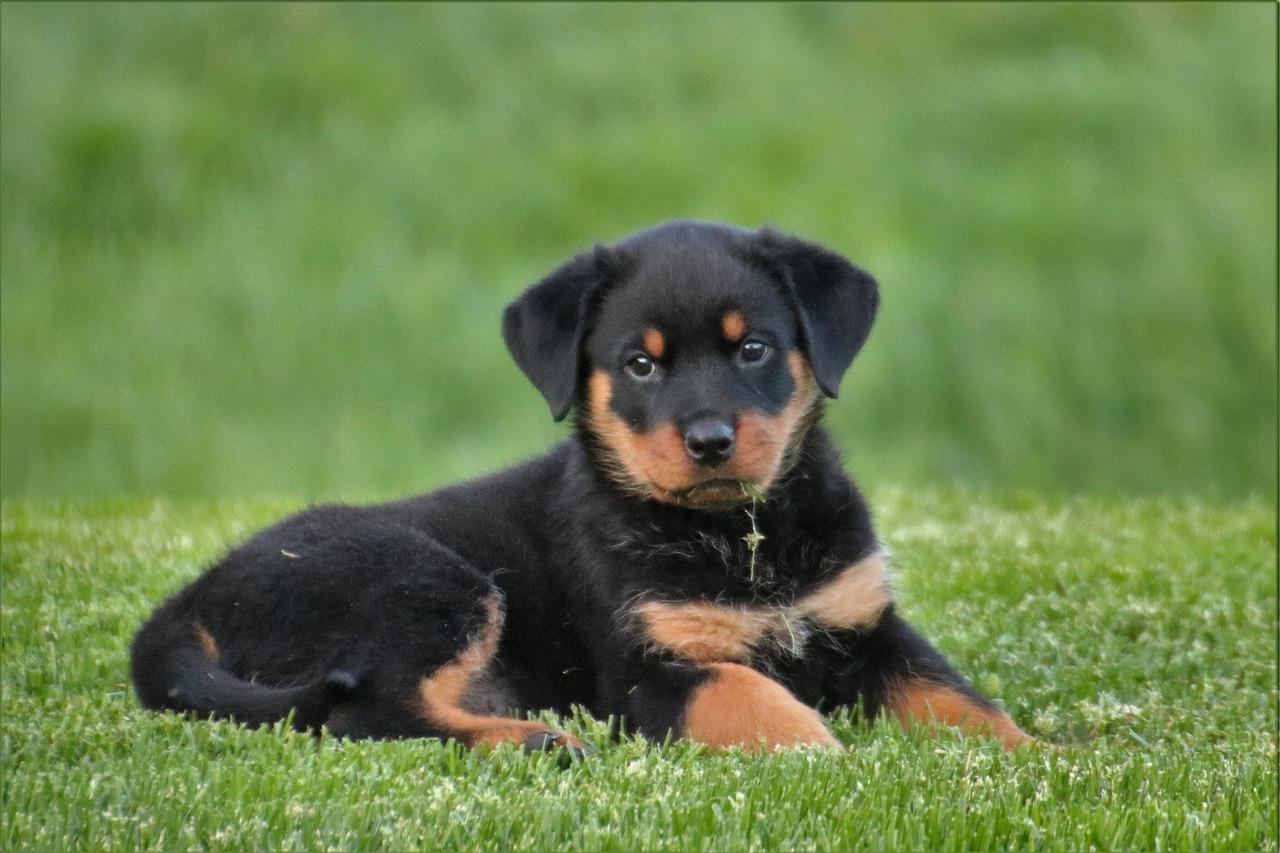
x=263, y=249
x=1138, y=633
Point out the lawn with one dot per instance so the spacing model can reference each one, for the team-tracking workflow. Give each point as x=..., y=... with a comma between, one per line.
x=1140, y=635
x=262, y=250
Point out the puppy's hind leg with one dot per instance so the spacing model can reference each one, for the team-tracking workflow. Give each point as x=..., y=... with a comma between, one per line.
x=443, y=692
x=411, y=701
x=892, y=668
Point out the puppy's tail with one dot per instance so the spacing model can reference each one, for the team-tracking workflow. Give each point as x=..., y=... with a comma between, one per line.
x=175, y=667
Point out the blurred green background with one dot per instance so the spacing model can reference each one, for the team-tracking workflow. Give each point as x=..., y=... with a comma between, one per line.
x=264, y=249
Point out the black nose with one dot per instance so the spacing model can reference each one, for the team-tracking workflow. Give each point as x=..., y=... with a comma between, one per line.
x=709, y=441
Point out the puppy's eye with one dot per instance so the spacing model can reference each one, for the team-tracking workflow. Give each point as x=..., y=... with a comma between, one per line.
x=641, y=367
x=754, y=350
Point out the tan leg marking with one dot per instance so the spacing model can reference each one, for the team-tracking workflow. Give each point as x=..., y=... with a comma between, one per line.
x=208, y=645
x=936, y=704
x=654, y=343
x=733, y=325
x=706, y=633
x=854, y=598
x=442, y=694
x=738, y=706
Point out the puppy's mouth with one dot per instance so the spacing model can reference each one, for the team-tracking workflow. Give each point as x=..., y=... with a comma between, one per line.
x=720, y=492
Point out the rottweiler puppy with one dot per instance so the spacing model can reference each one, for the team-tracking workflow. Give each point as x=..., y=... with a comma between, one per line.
x=692, y=560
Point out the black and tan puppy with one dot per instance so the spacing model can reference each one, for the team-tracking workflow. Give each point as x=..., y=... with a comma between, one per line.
x=692, y=560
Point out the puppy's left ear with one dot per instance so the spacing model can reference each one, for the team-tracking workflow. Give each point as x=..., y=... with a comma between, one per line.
x=544, y=328
x=835, y=301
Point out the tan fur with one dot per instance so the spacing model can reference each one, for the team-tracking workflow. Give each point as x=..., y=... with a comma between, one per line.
x=854, y=598
x=738, y=706
x=654, y=343
x=702, y=632
x=734, y=326
x=610, y=429
x=766, y=443
x=654, y=463
x=208, y=645
x=662, y=458
x=705, y=632
x=936, y=704
x=443, y=691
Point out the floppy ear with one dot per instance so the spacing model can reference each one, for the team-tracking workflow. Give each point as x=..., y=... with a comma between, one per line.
x=834, y=300
x=545, y=327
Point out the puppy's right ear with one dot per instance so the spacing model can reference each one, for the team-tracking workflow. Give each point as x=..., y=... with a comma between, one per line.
x=544, y=328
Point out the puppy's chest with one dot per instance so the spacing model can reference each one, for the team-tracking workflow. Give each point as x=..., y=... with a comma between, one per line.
x=707, y=631
x=733, y=556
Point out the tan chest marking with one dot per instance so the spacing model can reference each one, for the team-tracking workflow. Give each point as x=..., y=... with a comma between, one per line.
x=855, y=598
x=704, y=632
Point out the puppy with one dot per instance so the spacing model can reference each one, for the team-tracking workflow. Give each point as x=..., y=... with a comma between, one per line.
x=692, y=560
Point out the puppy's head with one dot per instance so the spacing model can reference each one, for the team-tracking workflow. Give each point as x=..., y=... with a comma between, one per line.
x=696, y=353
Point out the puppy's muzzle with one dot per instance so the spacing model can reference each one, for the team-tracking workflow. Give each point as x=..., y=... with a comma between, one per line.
x=709, y=440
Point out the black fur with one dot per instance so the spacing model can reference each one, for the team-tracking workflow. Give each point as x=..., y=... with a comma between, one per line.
x=835, y=301
x=338, y=613
x=544, y=330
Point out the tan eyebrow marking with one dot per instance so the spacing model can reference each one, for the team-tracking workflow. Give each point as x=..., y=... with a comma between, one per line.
x=654, y=343
x=734, y=326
